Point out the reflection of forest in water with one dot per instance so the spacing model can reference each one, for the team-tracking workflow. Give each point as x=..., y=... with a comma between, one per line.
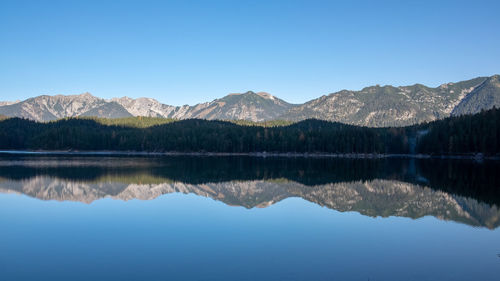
x=462, y=191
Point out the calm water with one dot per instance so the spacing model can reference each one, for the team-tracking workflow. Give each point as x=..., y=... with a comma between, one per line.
x=244, y=218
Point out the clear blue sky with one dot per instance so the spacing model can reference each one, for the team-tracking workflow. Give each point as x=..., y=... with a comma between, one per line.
x=185, y=52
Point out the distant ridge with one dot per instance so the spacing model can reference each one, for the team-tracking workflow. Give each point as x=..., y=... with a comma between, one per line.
x=374, y=106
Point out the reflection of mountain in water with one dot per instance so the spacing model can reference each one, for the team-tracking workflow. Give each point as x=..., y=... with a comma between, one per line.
x=376, y=197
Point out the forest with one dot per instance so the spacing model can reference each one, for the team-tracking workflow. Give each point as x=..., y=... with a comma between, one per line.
x=463, y=135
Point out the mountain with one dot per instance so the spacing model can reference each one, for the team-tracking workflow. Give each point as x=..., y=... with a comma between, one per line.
x=247, y=106
x=483, y=97
x=375, y=106
x=381, y=106
x=46, y=108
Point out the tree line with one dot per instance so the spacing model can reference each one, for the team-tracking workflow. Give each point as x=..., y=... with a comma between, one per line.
x=456, y=135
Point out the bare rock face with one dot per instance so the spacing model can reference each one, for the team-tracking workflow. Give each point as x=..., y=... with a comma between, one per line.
x=375, y=106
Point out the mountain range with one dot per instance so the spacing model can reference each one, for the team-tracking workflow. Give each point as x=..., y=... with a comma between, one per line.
x=375, y=106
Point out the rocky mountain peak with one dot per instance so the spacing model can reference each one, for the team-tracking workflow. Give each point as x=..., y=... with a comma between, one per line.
x=266, y=95
x=86, y=95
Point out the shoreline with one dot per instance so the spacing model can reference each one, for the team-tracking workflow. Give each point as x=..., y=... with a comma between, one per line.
x=476, y=157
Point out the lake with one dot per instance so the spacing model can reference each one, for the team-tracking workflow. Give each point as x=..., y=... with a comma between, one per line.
x=247, y=218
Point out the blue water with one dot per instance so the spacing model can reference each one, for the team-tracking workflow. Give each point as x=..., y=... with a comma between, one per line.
x=178, y=236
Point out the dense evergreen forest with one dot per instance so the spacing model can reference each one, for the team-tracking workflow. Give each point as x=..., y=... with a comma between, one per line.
x=457, y=135
x=478, y=133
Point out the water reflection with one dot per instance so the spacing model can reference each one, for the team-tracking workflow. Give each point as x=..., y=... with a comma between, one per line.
x=460, y=191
